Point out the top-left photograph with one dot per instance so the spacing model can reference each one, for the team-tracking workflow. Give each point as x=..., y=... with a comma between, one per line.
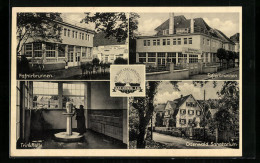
x=72, y=46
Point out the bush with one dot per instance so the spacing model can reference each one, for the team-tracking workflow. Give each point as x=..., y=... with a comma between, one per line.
x=120, y=60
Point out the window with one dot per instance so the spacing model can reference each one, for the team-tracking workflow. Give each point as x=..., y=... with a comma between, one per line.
x=50, y=50
x=154, y=42
x=208, y=42
x=76, y=34
x=148, y=42
x=190, y=40
x=73, y=33
x=65, y=31
x=171, y=54
x=174, y=41
x=183, y=111
x=185, y=41
x=144, y=42
x=28, y=50
x=151, y=57
x=142, y=57
x=68, y=33
x=164, y=42
x=82, y=36
x=203, y=41
x=142, y=60
x=37, y=49
x=74, y=93
x=179, y=41
x=183, y=121
x=190, y=121
x=193, y=58
x=191, y=112
x=198, y=112
x=86, y=37
x=84, y=52
x=158, y=42
x=79, y=35
x=61, y=50
x=161, y=55
x=45, y=95
x=166, y=32
x=168, y=42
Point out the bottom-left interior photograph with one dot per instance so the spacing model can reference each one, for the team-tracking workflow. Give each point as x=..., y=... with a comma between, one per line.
x=70, y=115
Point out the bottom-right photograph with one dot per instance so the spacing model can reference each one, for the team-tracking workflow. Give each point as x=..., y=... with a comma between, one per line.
x=186, y=115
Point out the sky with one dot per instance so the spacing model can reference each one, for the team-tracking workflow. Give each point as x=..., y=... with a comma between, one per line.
x=167, y=92
x=228, y=23
x=75, y=18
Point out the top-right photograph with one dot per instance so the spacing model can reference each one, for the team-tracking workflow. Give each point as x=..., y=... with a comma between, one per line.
x=186, y=46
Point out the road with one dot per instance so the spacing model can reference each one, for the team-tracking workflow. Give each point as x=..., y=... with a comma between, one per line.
x=181, y=143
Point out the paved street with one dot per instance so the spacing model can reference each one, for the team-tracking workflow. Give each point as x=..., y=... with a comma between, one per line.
x=181, y=143
x=230, y=74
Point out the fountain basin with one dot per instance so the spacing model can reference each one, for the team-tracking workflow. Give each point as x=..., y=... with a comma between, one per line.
x=64, y=136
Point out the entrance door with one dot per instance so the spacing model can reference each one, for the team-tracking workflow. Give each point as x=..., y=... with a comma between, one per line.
x=71, y=59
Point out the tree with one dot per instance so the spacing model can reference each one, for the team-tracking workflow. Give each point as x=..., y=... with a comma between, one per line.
x=133, y=26
x=38, y=26
x=221, y=54
x=113, y=24
x=120, y=60
x=145, y=107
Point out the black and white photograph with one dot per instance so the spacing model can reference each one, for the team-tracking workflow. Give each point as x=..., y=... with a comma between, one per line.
x=126, y=82
x=185, y=115
x=58, y=45
x=186, y=46
x=69, y=115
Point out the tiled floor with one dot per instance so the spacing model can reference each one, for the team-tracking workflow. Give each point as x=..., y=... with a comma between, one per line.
x=92, y=140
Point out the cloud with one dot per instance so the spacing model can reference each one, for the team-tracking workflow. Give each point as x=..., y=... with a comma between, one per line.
x=227, y=27
x=166, y=96
x=147, y=26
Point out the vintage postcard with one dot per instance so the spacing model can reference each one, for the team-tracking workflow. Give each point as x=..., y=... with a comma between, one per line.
x=126, y=82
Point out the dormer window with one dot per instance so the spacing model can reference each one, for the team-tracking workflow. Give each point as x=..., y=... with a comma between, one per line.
x=166, y=32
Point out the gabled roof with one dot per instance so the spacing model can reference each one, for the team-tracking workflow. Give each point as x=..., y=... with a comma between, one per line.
x=160, y=108
x=222, y=36
x=235, y=37
x=165, y=25
x=173, y=104
x=179, y=102
x=100, y=40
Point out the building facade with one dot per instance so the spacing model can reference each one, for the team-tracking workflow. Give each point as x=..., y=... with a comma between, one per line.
x=76, y=46
x=108, y=53
x=181, y=40
x=182, y=112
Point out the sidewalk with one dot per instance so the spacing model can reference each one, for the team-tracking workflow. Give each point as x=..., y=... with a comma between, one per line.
x=219, y=75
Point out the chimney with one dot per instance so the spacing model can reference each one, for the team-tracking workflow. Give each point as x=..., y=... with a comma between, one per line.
x=191, y=25
x=181, y=96
x=171, y=24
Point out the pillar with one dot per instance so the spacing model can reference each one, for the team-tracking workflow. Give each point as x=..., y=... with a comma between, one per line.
x=156, y=59
x=60, y=95
x=44, y=52
x=69, y=125
x=137, y=57
x=56, y=52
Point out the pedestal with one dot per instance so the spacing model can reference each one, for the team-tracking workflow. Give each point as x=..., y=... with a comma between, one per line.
x=68, y=136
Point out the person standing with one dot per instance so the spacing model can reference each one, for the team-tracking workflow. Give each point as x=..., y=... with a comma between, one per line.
x=80, y=117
